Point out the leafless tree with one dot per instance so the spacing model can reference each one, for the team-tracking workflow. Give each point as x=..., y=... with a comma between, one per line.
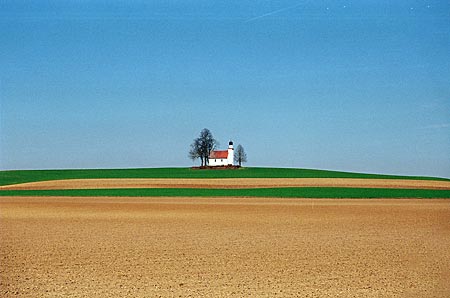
x=240, y=156
x=202, y=147
x=195, y=151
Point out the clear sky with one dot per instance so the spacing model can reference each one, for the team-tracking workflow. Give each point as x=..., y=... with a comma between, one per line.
x=345, y=85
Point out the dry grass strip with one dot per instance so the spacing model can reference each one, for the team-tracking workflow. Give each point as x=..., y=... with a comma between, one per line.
x=228, y=183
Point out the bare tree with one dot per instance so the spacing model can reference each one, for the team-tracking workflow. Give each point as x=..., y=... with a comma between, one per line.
x=240, y=156
x=208, y=144
x=202, y=147
x=196, y=151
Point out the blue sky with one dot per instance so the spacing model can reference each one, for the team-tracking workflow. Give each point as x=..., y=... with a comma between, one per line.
x=345, y=85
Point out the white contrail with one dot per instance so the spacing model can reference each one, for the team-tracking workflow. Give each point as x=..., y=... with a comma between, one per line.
x=272, y=13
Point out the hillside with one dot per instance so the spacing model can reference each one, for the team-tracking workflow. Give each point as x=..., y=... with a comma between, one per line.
x=21, y=176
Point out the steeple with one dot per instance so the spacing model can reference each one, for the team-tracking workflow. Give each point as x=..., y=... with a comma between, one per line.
x=230, y=158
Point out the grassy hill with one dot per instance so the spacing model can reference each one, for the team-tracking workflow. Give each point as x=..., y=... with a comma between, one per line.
x=21, y=176
x=288, y=192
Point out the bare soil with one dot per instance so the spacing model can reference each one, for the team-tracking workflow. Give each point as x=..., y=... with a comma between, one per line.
x=229, y=183
x=223, y=247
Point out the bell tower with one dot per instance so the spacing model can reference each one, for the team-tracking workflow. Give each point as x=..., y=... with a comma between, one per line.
x=230, y=153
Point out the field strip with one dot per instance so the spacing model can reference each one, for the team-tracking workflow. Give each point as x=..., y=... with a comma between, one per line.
x=223, y=247
x=228, y=183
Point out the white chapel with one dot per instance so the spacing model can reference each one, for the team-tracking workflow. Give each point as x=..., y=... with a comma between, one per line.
x=222, y=157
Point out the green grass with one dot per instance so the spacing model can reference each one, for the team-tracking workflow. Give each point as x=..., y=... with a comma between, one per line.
x=21, y=176
x=290, y=192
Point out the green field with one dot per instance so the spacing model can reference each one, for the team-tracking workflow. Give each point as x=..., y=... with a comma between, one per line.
x=289, y=192
x=21, y=176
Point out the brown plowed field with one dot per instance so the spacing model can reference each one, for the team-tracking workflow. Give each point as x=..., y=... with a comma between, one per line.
x=229, y=183
x=223, y=247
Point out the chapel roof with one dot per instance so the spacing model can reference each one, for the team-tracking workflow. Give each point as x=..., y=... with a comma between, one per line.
x=219, y=154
